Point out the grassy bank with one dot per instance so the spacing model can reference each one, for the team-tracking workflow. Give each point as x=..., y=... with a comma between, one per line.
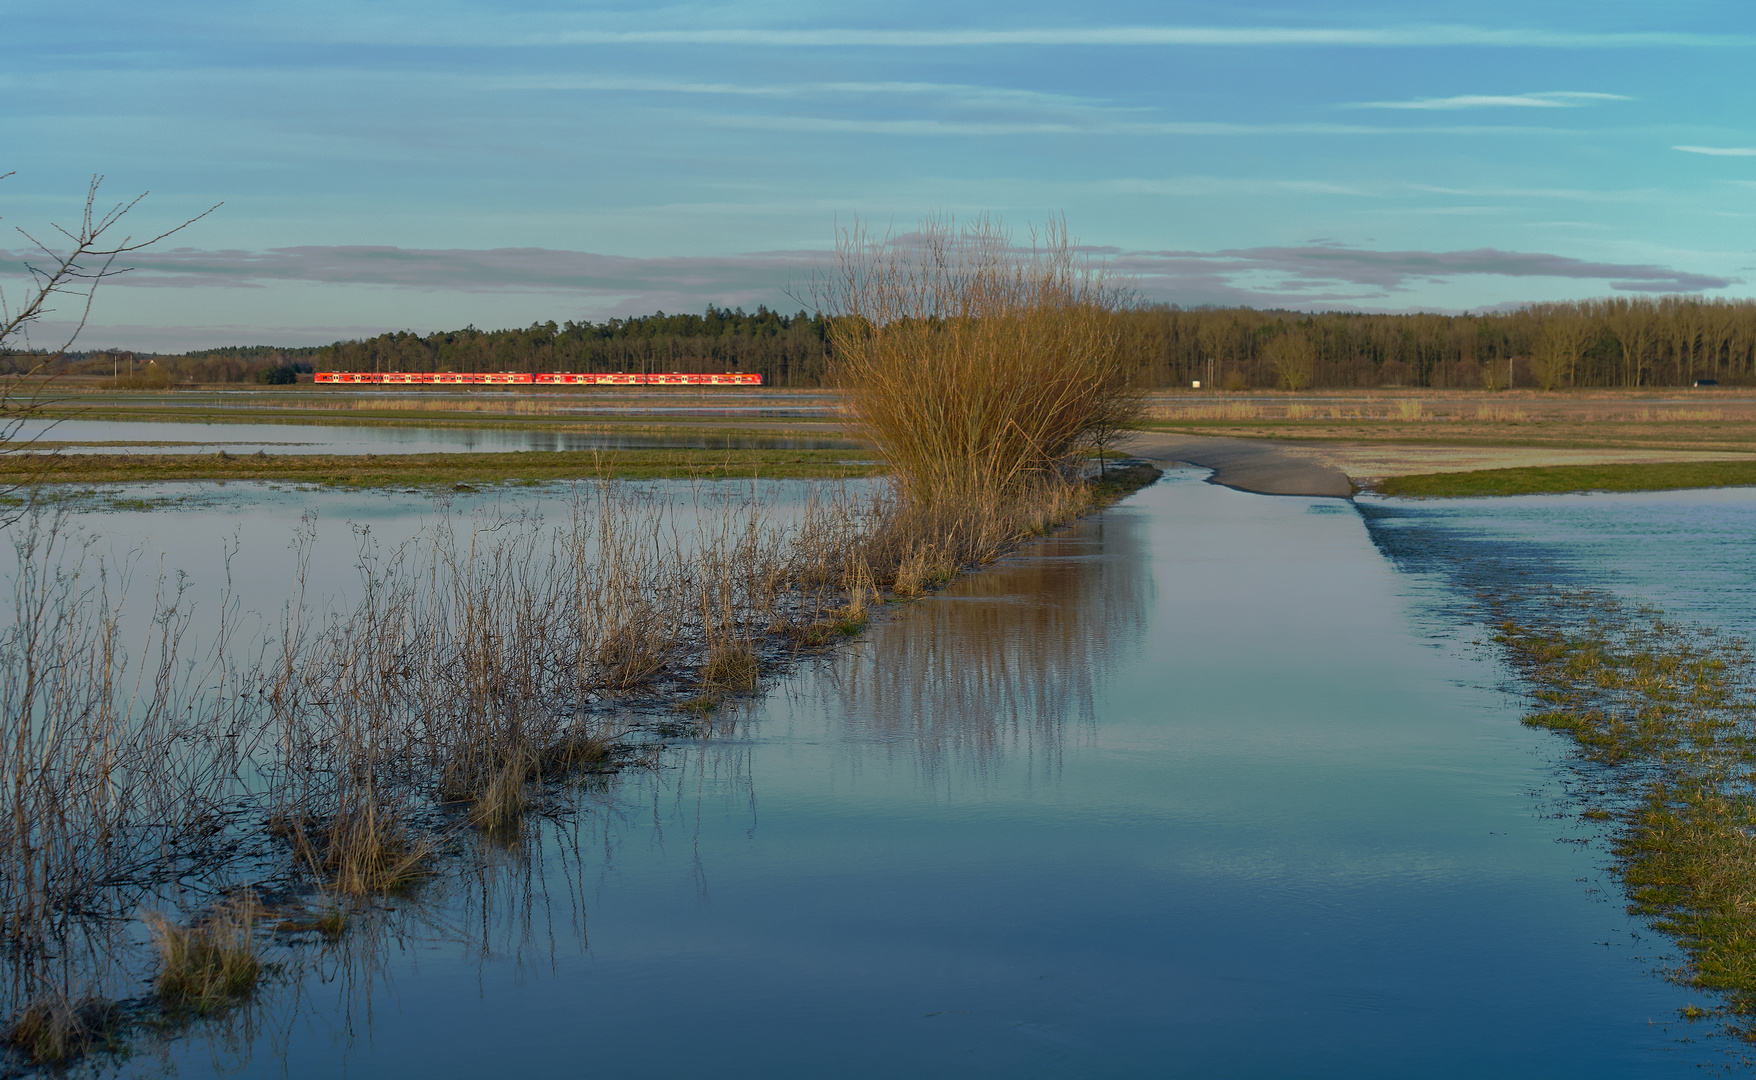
x=1561, y=479
x=381, y=470
x=1663, y=718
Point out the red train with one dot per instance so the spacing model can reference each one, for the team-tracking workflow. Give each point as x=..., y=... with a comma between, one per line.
x=513, y=378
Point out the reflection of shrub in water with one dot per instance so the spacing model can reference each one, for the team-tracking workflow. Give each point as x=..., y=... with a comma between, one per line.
x=1006, y=659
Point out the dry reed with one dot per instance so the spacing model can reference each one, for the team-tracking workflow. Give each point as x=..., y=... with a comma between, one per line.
x=977, y=368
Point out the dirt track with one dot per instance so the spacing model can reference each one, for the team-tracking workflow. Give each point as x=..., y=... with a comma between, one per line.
x=1275, y=467
x=1268, y=468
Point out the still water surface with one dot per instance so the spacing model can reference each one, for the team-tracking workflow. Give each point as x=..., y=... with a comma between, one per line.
x=171, y=437
x=1207, y=787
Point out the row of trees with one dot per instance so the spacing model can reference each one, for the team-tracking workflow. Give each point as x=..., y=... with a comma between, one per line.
x=786, y=350
x=1619, y=342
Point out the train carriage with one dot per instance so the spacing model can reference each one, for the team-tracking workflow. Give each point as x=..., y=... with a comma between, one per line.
x=558, y=378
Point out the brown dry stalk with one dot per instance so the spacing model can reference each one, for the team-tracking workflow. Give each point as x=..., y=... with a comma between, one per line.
x=977, y=368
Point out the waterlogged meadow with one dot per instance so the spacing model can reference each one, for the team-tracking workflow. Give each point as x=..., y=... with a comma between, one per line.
x=1625, y=619
x=223, y=712
x=1193, y=767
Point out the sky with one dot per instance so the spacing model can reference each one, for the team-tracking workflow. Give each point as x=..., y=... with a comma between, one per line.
x=388, y=164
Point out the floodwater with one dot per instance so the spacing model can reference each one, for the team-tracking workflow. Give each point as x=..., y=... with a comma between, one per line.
x=1688, y=552
x=1208, y=786
x=171, y=437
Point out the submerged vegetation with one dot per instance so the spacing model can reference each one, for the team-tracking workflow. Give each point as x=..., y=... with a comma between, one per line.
x=1663, y=717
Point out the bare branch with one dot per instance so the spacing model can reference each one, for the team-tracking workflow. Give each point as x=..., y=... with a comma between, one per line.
x=88, y=258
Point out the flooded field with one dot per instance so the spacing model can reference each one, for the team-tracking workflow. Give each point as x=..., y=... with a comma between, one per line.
x=172, y=437
x=1206, y=786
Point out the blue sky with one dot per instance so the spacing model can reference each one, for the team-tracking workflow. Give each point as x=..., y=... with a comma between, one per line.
x=399, y=165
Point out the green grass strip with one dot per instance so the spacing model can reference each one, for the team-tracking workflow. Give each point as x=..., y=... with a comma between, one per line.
x=1560, y=479
x=386, y=470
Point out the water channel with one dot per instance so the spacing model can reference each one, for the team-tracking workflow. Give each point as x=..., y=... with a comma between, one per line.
x=1215, y=784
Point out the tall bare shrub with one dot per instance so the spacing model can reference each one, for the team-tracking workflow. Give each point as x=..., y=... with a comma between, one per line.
x=975, y=365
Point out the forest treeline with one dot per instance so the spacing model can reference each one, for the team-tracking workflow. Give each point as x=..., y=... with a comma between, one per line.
x=1616, y=342
x=786, y=350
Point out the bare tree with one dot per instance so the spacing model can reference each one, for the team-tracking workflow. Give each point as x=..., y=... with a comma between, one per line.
x=1117, y=414
x=1293, y=360
x=63, y=268
x=1558, y=351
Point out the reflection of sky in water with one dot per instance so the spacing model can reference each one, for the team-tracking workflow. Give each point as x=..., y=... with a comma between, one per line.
x=397, y=439
x=255, y=523
x=1692, y=553
x=1181, y=793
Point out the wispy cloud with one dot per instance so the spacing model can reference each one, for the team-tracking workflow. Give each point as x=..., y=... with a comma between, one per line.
x=963, y=93
x=1719, y=151
x=1219, y=185
x=1578, y=194
x=1304, y=274
x=1550, y=99
x=931, y=127
x=1325, y=272
x=1212, y=36
x=632, y=284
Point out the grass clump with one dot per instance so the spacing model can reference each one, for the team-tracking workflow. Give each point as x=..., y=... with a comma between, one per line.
x=731, y=665
x=499, y=806
x=54, y=1029
x=1565, y=479
x=363, y=850
x=211, y=963
x=575, y=750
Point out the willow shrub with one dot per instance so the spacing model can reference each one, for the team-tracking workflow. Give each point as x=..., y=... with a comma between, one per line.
x=978, y=368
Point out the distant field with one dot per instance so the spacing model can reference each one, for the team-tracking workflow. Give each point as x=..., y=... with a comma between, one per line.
x=620, y=410
x=1661, y=419
x=1411, y=436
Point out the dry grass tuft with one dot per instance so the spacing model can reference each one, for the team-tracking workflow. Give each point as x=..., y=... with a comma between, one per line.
x=575, y=750
x=54, y=1030
x=211, y=963
x=499, y=807
x=731, y=665
x=364, y=850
